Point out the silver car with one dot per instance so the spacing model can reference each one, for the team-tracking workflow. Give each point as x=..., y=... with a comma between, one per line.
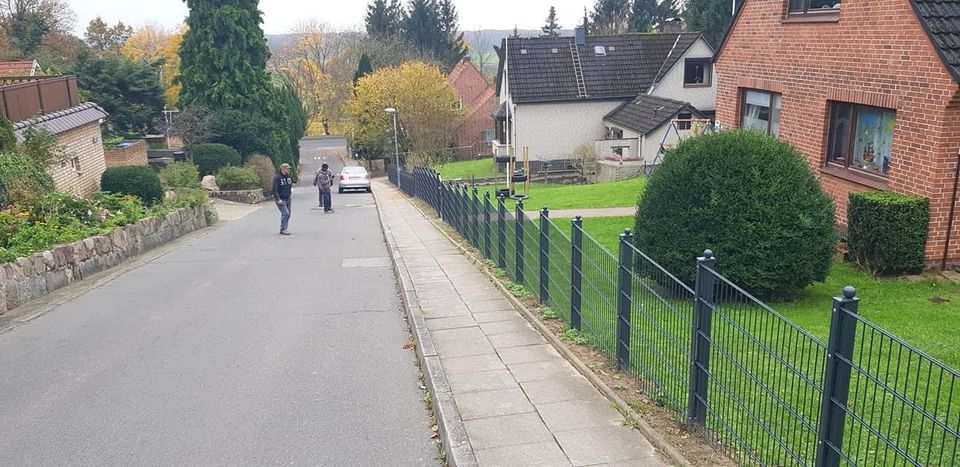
x=354, y=178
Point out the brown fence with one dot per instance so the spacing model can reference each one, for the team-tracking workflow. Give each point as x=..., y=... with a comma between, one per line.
x=31, y=97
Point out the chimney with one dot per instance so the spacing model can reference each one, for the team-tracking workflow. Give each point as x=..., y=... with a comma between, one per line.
x=581, y=35
x=671, y=25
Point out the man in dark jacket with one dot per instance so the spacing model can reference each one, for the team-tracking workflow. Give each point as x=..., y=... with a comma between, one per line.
x=324, y=181
x=282, y=185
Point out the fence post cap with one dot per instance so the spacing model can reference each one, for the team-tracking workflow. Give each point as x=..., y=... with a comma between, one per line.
x=578, y=218
x=520, y=204
x=501, y=196
x=707, y=254
x=627, y=232
x=849, y=292
x=544, y=209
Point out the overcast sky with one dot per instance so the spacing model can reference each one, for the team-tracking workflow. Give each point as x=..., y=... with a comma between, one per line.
x=281, y=15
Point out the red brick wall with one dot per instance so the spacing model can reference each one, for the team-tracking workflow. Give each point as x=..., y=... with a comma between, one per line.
x=478, y=99
x=876, y=54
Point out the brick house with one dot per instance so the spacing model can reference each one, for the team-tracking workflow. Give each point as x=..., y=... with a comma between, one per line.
x=54, y=104
x=21, y=68
x=617, y=93
x=478, y=100
x=867, y=90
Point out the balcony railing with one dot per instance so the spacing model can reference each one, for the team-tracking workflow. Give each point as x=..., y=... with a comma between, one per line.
x=500, y=149
x=607, y=149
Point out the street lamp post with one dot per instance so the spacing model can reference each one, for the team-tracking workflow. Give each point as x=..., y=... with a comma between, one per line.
x=396, y=140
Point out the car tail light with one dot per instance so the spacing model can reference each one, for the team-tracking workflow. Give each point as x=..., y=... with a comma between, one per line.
x=341, y=178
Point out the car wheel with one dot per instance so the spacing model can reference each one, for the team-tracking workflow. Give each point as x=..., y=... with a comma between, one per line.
x=369, y=189
x=340, y=190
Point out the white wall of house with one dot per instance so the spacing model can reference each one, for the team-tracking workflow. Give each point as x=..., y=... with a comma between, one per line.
x=553, y=130
x=671, y=86
x=650, y=143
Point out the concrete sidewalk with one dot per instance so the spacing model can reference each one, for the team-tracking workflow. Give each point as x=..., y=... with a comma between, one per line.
x=503, y=395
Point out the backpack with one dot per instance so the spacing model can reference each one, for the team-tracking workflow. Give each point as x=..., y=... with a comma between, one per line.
x=323, y=179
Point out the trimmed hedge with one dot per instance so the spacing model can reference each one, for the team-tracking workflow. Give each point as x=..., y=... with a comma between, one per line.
x=887, y=231
x=750, y=198
x=211, y=157
x=136, y=180
x=237, y=178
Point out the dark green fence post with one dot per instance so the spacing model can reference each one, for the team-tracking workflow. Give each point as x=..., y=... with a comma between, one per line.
x=576, y=271
x=501, y=230
x=544, y=255
x=518, y=229
x=836, y=380
x=475, y=215
x=624, y=299
x=439, y=192
x=704, y=290
x=486, y=224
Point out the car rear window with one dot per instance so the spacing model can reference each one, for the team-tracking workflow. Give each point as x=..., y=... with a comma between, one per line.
x=354, y=170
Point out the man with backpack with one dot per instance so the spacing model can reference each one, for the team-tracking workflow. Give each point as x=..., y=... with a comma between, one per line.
x=323, y=180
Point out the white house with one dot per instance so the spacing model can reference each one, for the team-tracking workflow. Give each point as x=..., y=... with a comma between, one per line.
x=618, y=93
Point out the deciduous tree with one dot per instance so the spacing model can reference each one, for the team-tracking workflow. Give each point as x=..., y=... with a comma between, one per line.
x=427, y=111
x=154, y=44
x=105, y=39
x=26, y=22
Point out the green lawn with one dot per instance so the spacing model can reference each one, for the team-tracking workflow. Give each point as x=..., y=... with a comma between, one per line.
x=468, y=170
x=623, y=193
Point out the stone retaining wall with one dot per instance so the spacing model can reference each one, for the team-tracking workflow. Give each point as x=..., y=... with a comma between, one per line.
x=34, y=276
x=240, y=196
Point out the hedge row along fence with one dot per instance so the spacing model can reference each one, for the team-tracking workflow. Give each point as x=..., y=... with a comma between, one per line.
x=754, y=384
x=887, y=231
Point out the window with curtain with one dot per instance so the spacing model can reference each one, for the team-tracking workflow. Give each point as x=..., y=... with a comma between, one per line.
x=860, y=137
x=800, y=7
x=760, y=110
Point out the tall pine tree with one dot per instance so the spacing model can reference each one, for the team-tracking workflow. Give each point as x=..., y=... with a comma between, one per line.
x=383, y=18
x=645, y=14
x=452, y=46
x=432, y=27
x=223, y=57
x=364, y=68
x=709, y=17
x=610, y=16
x=551, y=28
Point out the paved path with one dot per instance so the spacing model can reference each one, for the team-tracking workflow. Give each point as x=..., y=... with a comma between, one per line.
x=587, y=213
x=519, y=400
x=241, y=347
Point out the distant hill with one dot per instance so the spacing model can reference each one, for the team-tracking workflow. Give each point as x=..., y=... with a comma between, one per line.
x=483, y=39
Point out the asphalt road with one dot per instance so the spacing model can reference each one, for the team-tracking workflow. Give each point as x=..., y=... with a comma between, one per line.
x=241, y=347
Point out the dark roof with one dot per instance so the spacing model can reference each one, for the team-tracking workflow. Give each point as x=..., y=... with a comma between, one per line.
x=65, y=120
x=647, y=113
x=542, y=69
x=500, y=113
x=941, y=20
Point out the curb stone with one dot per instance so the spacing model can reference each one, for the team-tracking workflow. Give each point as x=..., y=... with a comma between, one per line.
x=659, y=442
x=453, y=434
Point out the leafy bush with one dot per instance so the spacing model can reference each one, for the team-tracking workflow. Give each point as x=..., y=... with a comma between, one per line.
x=180, y=175
x=237, y=178
x=750, y=198
x=887, y=231
x=212, y=157
x=135, y=180
x=263, y=167
x=8, y=139
x=42, y=147
x=21, y=180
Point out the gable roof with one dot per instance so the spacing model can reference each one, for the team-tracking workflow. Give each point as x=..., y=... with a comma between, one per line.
x=22, y=68
x=940, y=20
x=543, y=69
x=64, y=120
x=647, y=113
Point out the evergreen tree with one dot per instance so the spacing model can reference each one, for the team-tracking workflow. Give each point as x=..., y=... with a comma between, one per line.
x=645, y=14
x=551, y=28
x=384, y=19
x=610, y=16
x=364, y=68
x=452, y=45
x=432, y=27
x=516, y=33
x=710, y=17
x=223, y=57
x=129, y=90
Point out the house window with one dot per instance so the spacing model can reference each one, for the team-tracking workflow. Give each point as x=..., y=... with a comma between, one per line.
x=684, y=121
x=75, y=164
x=615, y=133
x=617, y=151
x=802, y=7
x=861, y=137
x=761, y=111
x=697, y=72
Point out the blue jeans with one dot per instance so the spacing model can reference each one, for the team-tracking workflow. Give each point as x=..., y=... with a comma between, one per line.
x=284, y=207
x=325, y=199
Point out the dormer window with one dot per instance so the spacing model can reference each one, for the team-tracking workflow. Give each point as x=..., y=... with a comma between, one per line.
x=696, y=72
x=803, y=7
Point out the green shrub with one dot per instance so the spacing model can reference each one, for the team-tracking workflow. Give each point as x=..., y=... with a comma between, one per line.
x=21, y=180
x=135, y=180
x=237, y=178
x=750, y=198
x=213, y=156
x=8, y=139
x=180, y=175
x=263, y=167
x=887, y=231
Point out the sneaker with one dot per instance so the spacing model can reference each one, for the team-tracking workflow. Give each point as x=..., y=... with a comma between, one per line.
x=328, y=211
x=284, y=232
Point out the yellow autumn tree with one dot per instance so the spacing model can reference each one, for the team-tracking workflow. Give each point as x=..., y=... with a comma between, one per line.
x=427, y=112
x=153, y=43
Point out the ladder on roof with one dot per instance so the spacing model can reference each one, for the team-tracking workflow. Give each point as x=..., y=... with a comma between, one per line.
x=578, y=70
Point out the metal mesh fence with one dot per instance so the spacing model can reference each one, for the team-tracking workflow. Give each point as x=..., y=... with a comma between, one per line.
x=599, y=295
